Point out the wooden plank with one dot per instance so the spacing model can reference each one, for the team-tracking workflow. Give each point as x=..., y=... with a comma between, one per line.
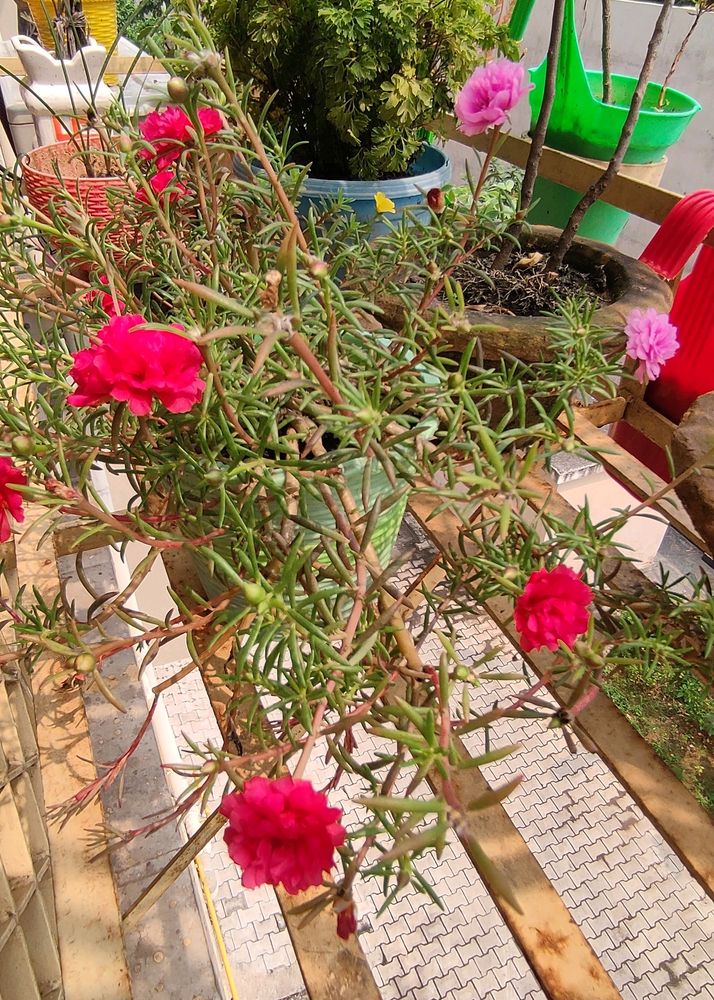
x=561, y=957
x=168, y=875
x=332, y=969
x=634, y=476
x=644, y=200
x=683, y=823
x=88, y=921
x=119, y=65
x=649, y=422
x=606, y=411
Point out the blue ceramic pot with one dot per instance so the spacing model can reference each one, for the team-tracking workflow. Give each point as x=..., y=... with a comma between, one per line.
x=431, y=169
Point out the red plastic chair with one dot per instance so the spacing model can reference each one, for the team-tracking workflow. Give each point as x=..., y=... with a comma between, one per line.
x=690, y=373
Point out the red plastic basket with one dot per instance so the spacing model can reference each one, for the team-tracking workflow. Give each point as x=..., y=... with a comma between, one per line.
x=54, y=175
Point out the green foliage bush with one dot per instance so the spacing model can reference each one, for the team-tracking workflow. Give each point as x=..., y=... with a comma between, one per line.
x=135, y=19
x=356, y=79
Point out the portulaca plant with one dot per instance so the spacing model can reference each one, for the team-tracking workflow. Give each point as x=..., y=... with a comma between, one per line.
x=229, y=359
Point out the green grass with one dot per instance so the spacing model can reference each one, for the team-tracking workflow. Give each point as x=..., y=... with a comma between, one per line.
x=674, y=713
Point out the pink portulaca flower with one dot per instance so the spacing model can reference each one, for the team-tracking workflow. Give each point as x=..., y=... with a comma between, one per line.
x=159, y=182
x=10, y=500
x=137, y=365
x=651, y=340
x=170, y=130
x=281, y=831
x=489, y=94
x=553, y=608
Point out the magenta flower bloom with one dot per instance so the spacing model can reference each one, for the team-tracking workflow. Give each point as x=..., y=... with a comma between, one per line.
x=137, y=365
x=651, y=340
x=553, y=608
x=489, y=94
x=282, y=830
x=170, y=130
x=10, y=499
x=159, y=182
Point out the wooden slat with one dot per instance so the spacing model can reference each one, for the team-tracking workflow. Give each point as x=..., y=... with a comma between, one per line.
x=119, y=65
x=675, y=812
x=332, y=969
x=607, y=411
x=562, y=959
x=643, y=200
x=88, y=921
x=560, y=956
x=649, y=422
x=633, y=475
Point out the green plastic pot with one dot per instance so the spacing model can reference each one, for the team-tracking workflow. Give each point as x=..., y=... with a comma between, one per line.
x=384, y=536
x=582, y=124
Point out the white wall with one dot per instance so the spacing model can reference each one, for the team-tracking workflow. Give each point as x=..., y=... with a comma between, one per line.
x=8, y=18
x=691, y=162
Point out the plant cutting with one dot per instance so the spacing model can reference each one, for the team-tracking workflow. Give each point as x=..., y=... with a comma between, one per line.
x=231, y=366
x=357, y=85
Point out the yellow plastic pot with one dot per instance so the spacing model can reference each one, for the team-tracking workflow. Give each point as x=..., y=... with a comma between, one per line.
x=102, y=23
x=43, y=13
x=101, y=20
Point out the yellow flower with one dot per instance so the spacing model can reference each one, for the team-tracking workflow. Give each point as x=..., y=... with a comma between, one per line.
x=383, y=203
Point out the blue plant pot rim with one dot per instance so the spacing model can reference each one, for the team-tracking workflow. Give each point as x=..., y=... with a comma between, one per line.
x=430, y=169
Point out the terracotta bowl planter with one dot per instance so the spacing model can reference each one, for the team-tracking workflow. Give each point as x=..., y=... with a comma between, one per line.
x=51, y=173
x=631, y=285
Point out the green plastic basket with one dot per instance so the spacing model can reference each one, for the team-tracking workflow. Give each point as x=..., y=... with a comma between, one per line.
x=383, y=538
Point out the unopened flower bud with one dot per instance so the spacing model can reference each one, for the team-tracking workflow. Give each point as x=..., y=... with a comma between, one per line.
x=433, y=269
x=178, y=89
x=455, y=380
x=85, y=663
x=317, y=268
x=369, y=416
x=214, y=477
x=435, y=200
x=124, y=143
x=22, y=445
x=254, y=593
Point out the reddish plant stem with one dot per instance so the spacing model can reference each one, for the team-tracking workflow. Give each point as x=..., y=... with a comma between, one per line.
x=703, y=8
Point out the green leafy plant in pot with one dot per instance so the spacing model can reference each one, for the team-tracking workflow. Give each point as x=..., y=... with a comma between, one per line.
x=357, y=84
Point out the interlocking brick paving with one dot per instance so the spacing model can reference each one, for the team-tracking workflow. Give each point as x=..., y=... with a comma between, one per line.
x=647, y=919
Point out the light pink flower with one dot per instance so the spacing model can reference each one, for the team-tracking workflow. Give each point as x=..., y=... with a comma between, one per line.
x=281, y=831
x=138, y=366
x=552, y=608
x=159, y=182
x=170, y=130
x=651, y=340
x=489, y=94
x=10, y=500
